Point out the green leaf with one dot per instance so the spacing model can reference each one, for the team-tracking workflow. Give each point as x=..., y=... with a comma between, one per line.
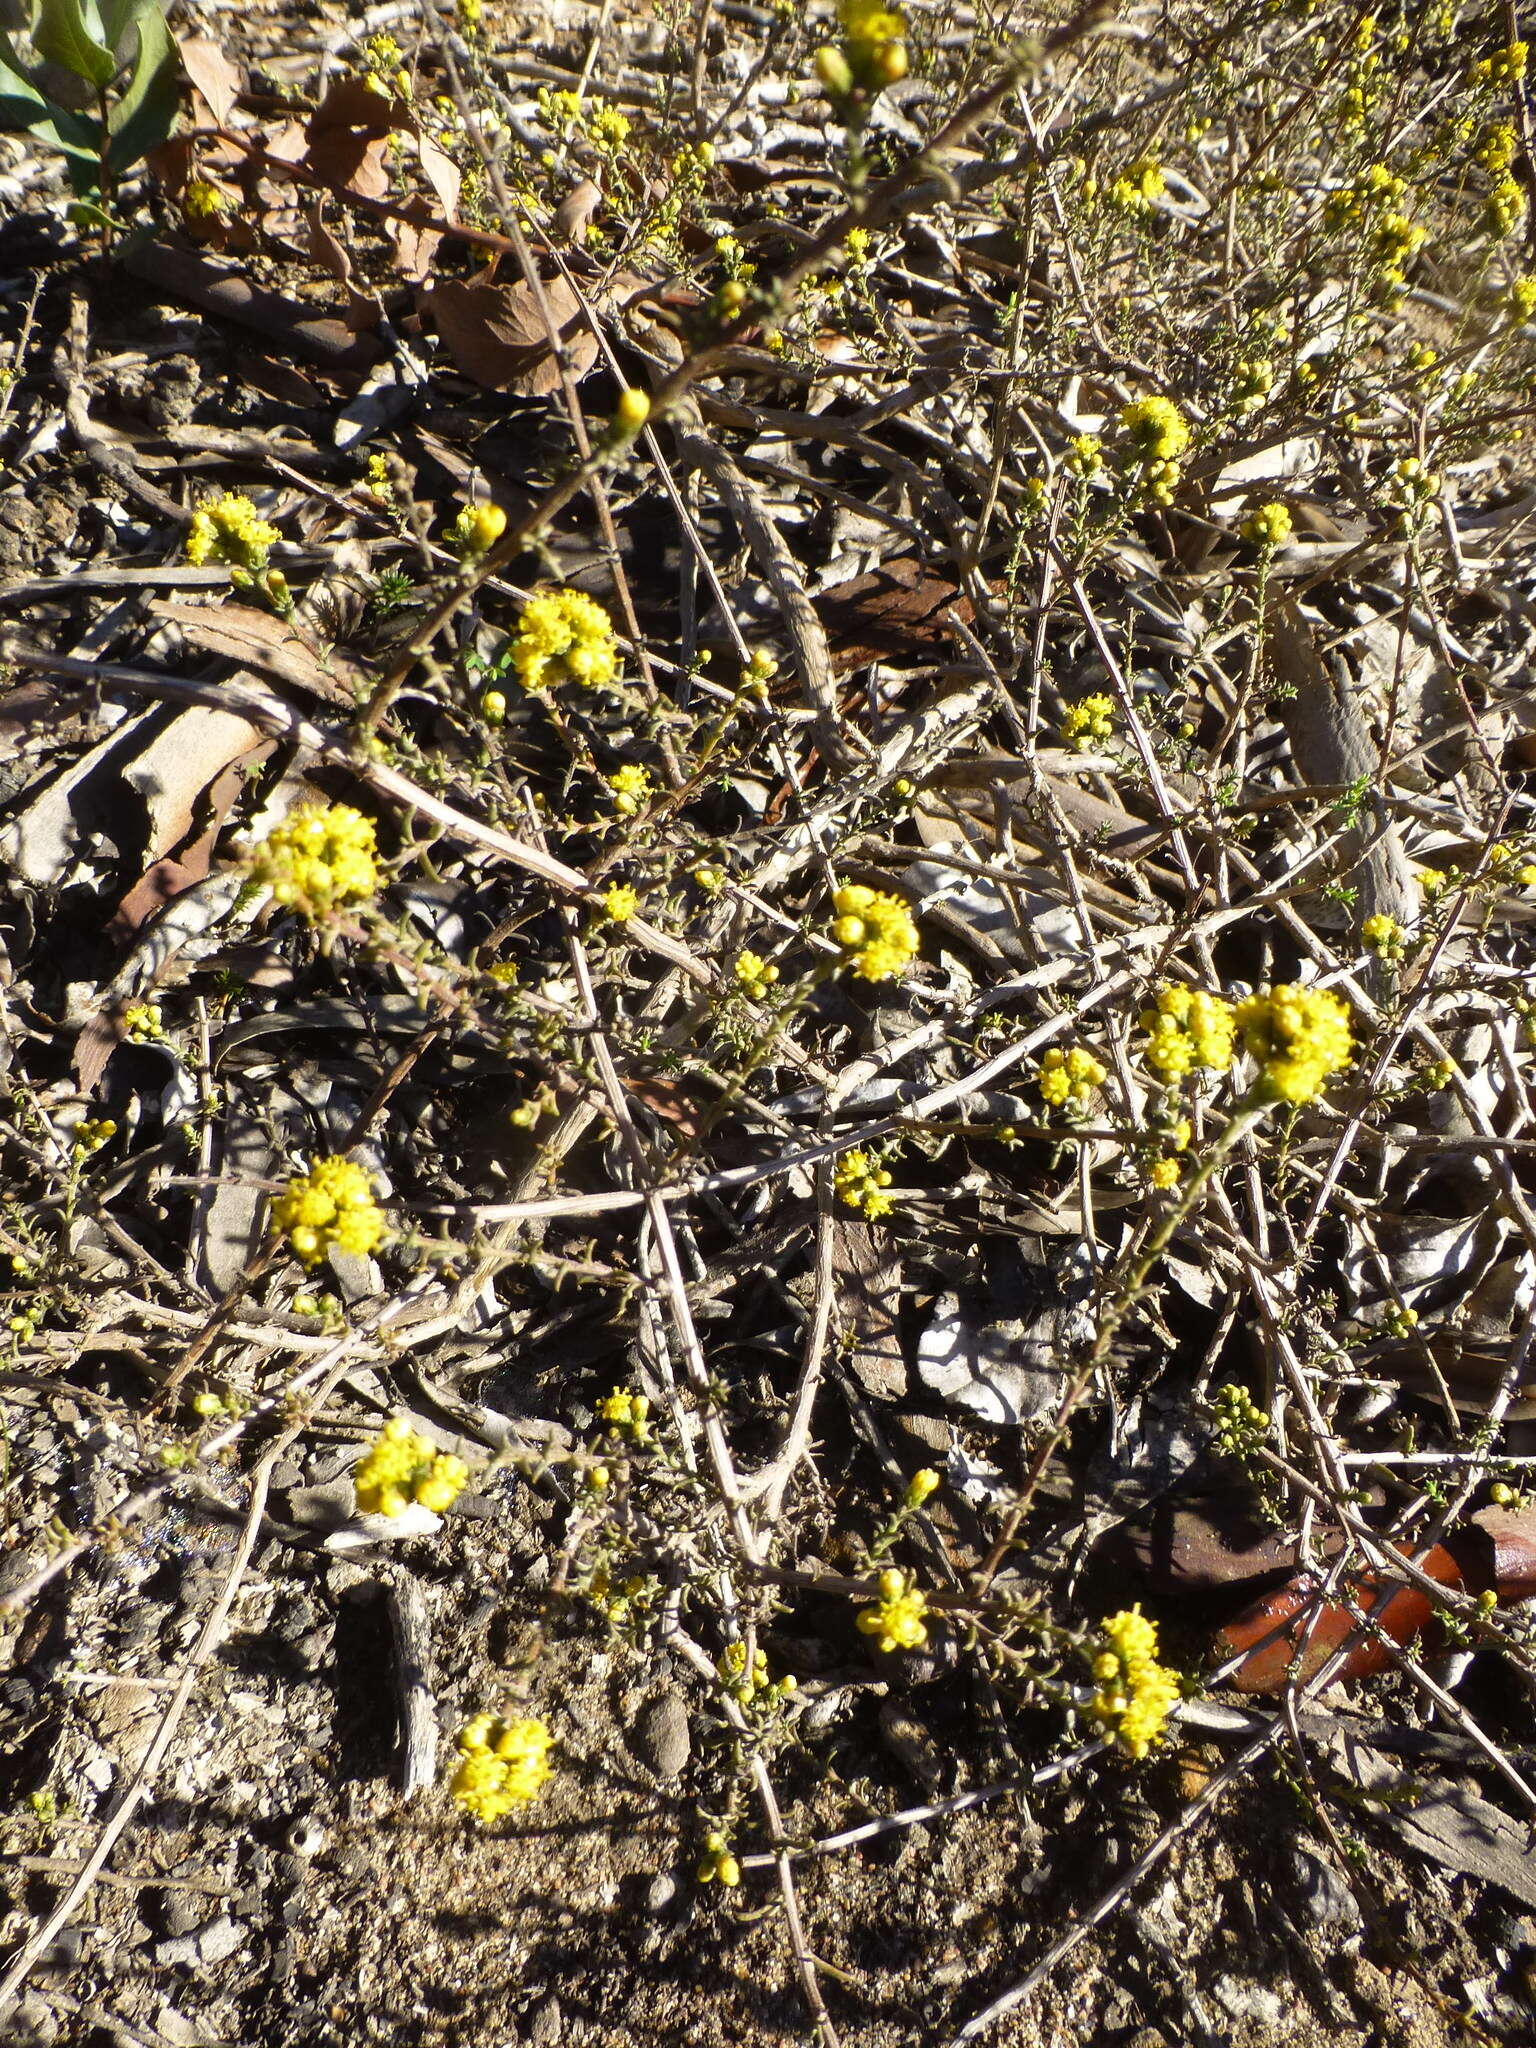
x=24, y=110
x=84, y=213
x=20, y=100
x=118, y=16
x=63, y=37
x=145, y=115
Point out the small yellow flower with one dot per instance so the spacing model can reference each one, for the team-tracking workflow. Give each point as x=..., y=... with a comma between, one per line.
x=1384, y=936
x=1164, y=1173
x=1505, y=67
x=631, y=787
x=896, y=1620
x=1069, y=1074
x=330, y=1208
x=1156, y=428
x=632, y=410
x=620, y=902
x=503, y=1764
x=227, y=529
x=922, y=1486
x=476, y=530
x=142, y=1022
x=321, y=856
x=203, y=200
x=1267, y=526
x=859, y=1182
x=403, y=1469
x=564, y=636
x=717, y=1865
x=1135, y=1693
x=627, y=1415
x=755, y=976
x=1137, y=189
x=1088, y=722
x=1187, y=1028
x=875, y=931
x=874, y=51
x=1299, y=1035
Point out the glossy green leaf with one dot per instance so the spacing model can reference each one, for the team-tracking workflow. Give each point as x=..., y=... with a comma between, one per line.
x=67, y=36
x=145, y=115
x=25, y=110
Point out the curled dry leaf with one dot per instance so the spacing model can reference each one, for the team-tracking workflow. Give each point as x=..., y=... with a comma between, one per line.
x=496, y=333
x=212, y=75
x=1292, y=1632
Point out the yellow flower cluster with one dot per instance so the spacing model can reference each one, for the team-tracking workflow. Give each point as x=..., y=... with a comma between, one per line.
x=896, y=1620
x=631, y=787
x=1267, y=526
x=862, y=1185
x=1158, y=434
x=322, y=855
x=1253, y=379
x=1136, y=1693
x=564, y=636
x=875, y=931
x=755, y=976
x=503, y=1764
x=717, y=1864
x=749, y=1682
x=1505, y=67
x=873, y=51
x=1383, y=936
x=600, y=122
x=1186, y=1029
x=1503, y=206
x=1374, y=202
x=1156, y=427
x=330, y=1208
x=1088, y=722
x=626, y=1414
x=1140, y=185
x=476, y=530
x=1069, y=1073
x=403, y=1469
x=1299, y=1036
x=203, y=200
x=227, y=529
x=619, y=903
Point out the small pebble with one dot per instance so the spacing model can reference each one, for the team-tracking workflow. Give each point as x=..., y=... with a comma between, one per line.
x=662, y=1739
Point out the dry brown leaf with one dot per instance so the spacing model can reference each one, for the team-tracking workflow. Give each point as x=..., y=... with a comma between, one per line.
x=166, y=879
x=441, y=173
x=212, y=74
x=496, y=335
x=267, y=644
x=413, y=246
x=346, y=139
x=364, y=311
x=899, y=610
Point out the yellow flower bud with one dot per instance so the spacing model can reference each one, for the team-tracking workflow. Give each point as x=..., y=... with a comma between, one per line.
x=832, y=68
x=632, y=410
